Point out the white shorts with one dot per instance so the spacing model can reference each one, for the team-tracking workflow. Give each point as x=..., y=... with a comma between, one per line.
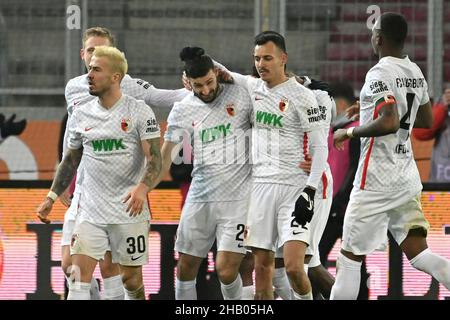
x=370, y=215
x=203, y=222
x=270, y=222
x=322, y=209
x=69, y=220
x=128, y=242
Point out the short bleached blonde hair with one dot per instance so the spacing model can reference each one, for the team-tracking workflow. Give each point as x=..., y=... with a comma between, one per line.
x=117, y=61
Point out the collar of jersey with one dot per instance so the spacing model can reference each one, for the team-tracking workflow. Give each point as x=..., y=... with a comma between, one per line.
x=280, y=85
x=114, y=107
x=394, y=59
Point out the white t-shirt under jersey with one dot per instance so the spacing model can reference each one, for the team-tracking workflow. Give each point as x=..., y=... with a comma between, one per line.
x=113, y=159
x=220, y=132
x=387, y=163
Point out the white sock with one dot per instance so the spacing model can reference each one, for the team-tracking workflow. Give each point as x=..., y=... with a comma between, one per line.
x=232, y=291
x=138, y=294
x=95, y=290
x=113, y=288
x=348, y=278
x=185, y=290
x=248, y=293
x=281, y=284
x=434, y=265
x=79, y=291
x=297, y=296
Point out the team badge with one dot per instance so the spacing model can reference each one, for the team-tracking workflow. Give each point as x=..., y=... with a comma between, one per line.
x=230, y=109
x=125, y=125
x=284, y=104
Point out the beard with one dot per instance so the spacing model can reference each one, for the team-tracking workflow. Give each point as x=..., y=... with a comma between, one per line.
x=209, y=98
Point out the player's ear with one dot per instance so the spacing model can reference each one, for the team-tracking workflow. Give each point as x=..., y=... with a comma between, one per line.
x=82, y=53
x=378, y=39
x=284, y=57
x=117, y=76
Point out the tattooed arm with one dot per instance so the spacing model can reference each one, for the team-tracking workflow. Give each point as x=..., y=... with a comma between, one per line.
x=138, y=196
x=64, y=175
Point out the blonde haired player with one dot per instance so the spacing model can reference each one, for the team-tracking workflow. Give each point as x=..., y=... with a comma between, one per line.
x=77, y=94
x=118, y=138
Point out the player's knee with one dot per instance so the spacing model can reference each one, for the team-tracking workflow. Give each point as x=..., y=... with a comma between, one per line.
x=187, y=267
x=295, y=271
x=227, y=275
x=263, y=269
x=109, y=270
x=131, y=281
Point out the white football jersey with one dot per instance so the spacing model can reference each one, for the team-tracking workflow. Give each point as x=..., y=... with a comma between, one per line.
x=220, y=133
x=387, y=163
x=77, y=94
x=283, y=116
x=113, y=159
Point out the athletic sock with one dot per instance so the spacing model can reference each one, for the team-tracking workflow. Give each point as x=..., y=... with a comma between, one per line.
x=185, y=290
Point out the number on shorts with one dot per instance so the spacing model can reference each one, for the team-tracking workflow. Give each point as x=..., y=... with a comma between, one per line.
x=140, y=241
x=240, y=227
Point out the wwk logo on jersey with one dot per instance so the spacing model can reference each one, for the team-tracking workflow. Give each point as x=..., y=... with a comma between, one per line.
x=211, y=134
x=269, y=119
x=107, y=145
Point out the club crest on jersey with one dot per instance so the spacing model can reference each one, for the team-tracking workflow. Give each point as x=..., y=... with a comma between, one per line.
x=230, y=110
x=125, y=124
x=283, y=105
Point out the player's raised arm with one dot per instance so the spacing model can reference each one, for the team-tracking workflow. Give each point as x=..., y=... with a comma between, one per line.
x=387, y=121
x=142, y=90
x=239, y=79
x=64, y=175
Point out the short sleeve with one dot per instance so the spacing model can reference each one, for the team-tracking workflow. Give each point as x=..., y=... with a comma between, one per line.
x=148, y=126
x=425, y=97
x=379, y=89
x=175, y=124
x=75, y=140
x=311, y=116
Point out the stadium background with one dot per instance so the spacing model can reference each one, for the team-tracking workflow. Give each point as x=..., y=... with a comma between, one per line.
x=327, y=40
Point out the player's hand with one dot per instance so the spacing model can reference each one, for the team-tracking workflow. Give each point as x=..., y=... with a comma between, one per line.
x=340, y=135
x=44, y=210
x=224, y=76
x=186, y=83
x=66, y=198
x=136, y=199
x=304, y=206
x=352, y=112
x=306, y=165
